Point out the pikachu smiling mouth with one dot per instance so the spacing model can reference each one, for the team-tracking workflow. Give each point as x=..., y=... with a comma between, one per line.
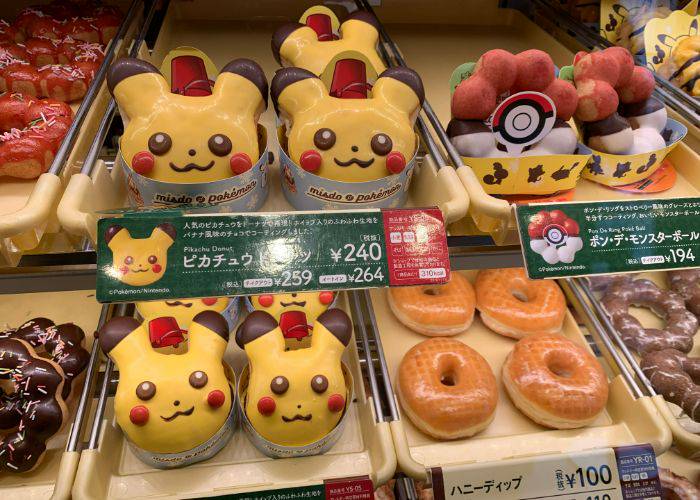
x=185, y=413
x=192, y=166
x=293, y=303
x=139, y=270
x=176, y=303
x=304, y=418
x=356, y=161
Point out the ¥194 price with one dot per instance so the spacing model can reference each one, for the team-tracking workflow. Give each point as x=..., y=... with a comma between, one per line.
x=367, y=274
x=680, y=255
x=294, y=278
x=353, y=253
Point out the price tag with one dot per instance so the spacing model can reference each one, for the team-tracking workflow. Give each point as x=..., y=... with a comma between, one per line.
x=354, y=488
x=583, y=238
x=627, y=472
x=156, y=256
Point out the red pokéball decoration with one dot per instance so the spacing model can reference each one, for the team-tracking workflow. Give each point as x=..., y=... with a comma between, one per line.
x=555, y=236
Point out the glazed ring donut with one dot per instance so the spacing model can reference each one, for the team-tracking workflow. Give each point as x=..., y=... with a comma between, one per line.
x=681, y=324
x=686, y=283
x=34, y=411
x=447, y=389
x=435, y=310
x=515, y=306
x=674, y=375
x=555, y=382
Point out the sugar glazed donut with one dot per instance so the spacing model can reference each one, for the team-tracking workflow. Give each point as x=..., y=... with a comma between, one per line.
x=673, y=374
x=686, y=283
x=513, y=305
x=555, y=382
x=447, y=389
x=681, y=324
x=62, y=343
x=31, y=131
x=34, y=411
x=435, y=311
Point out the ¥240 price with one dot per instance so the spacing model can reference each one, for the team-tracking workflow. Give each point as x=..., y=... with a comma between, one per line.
x=352, y=253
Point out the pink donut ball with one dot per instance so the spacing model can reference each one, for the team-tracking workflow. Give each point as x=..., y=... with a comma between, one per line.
x=597, y=66
x=499, y=67
x=625, y=63
x=596, y=100
x=535, y=71
x=565, y=98
x=474, y=99
x=639, y=88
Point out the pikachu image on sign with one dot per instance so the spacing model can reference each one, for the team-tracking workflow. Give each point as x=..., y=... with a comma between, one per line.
x=170, y=403
x=295, y=398
x=349, y=139
x=140, y=261
x=189, y=139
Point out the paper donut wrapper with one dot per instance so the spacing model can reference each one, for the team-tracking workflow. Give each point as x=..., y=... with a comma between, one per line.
x=204, y=451
x=307, y=191
x=661, y=35
x=535, y=175
x=230, y=314
x=619, y=170
x=245, y=192
x=273, y=450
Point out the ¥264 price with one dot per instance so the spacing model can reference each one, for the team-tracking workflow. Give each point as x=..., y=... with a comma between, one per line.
x=352, y=253
x=367, y=274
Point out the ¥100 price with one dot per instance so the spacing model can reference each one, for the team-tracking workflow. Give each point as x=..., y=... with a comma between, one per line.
x=352, y=253
x=366, y=274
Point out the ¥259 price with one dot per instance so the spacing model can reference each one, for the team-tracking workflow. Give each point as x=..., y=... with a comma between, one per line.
x=352, y=253
x=294, y=278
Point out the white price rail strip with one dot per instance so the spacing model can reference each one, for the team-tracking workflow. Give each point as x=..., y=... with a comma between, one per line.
x=627, y=472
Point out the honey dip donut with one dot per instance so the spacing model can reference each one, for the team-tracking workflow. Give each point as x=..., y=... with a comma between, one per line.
x=435, y=311
x=555, y=382
x=513, y=305
x=447, y=389
x=34, y=411
x=686, y=283
x=681, y=324
x=674, y=375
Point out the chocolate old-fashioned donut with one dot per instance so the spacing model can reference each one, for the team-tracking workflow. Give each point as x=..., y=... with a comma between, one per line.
x=34, y=411
x=673, y=374
x=63, y=343
x=687, y=284
x=681, y=324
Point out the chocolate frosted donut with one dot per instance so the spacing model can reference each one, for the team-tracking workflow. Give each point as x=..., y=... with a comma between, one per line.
x=34, y=411
x=673, y=375
x=63, y=343
x=677, y=487
x=687, y=284
x=601, y=283
x=681, y=324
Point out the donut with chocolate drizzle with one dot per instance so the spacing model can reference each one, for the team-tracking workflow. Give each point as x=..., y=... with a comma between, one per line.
x=686, y=283
x=681, y=324
x=34, y=411
x=675, y=375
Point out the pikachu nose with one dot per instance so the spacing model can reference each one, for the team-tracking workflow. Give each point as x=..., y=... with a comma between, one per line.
x=192, y=152
x=355, y=149
x=176, y=402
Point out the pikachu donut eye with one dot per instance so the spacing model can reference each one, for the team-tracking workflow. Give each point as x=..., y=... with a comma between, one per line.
x=145, y=390
x=279, y=385
x=128, y=260
x=324, y=138
x=319, y=383
x=152, y=259
x=381, y=144
x=198, y=379
x=220, y=145
x=159, y=143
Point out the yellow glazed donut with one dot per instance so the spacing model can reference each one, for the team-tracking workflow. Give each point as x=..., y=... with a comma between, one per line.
x=170, y=403
x=513, y=305
x=685, y=59
x=555, y=382
x=350, y=140
x=295, y=398
x=189, y=139
x=295, y=312
x=435, y=311
x=300, y=45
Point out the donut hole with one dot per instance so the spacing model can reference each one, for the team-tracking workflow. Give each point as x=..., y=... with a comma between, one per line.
x=521, y=295
x=431, y=291
x=561, y=365
x=449, y=379
x=560, y=370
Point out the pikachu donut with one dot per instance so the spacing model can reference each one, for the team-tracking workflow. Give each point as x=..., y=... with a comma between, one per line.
x=350, y=140
x=140, y=261
x=171, y=403
x=295, y=398
x=189, y=139
x=313, y=45
x=295, y=312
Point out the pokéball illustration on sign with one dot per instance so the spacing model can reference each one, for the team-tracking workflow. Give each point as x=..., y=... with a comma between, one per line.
x=555, y=236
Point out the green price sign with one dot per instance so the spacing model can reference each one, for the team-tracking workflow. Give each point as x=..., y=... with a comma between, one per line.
x=583, y=238
x=151, y=256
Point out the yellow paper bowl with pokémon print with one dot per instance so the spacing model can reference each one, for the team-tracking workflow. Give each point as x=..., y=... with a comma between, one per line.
x=244, y=192
x=535, y=175
x=619, y=170
x=273, y=450
x=307, y=191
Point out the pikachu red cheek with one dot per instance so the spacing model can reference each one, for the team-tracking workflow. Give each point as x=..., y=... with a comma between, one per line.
x=240, y=163
x=156, y=268
x=209, y=301
x=124, y=270
x=310, y=160
x=266, y=406
x=143, y=162
x=325, y=298
x=138, y=415
x=216, y=399
x=266, y=300
x=395, y=162
x=336, y=403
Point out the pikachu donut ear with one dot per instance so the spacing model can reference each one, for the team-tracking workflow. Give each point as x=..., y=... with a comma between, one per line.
x=243, y=84
x=165, y=233
x=116, y=234
x=256, y=325
x=137, y=86
x=294, y=90
x=120, y=339
x=360, y=24
x=337, y=322
x=284, y=32
x=401, y=88
x=208, y=333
